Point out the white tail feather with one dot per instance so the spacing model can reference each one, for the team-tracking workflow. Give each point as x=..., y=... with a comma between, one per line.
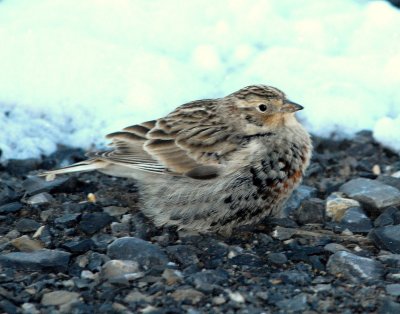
x=88, y=165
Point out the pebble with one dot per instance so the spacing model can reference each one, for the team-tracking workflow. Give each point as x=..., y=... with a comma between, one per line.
x=356, y=220
x=93, y=222
x=59, y=297
x=236, y=297
x=136, y=296
x=372, y=193
x=310, y=211
x=116, y=211
x=296, y=304
x=390, y=216
x=78, y=246
x=185, y=255
x=10, y=208
x=387, y=238
x=277, y=258
x=118, y=270
x=336, y=206
x=26, y=244
x=172, y=276
x=282, y=233
x=300, y=194
x=8, y=194
x=208, y=277
x=354, y=267
x=189, y=295
x=27, y=225
x=389, y=307
x=68, y=220
x=393, y=289
x=40, y=199
x=146, y=254
x=392, y=260
x=20, y=167
x=41, y=260
x=119, y=229
x=335, y=247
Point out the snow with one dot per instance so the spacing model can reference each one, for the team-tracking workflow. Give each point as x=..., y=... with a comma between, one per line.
x=73, y=71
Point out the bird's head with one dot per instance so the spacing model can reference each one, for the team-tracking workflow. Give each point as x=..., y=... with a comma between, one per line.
x=262, y=108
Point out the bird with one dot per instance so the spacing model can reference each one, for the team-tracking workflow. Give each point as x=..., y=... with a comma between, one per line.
x=211, y=165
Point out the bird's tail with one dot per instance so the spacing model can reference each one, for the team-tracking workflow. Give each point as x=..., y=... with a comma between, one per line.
x=87, y=165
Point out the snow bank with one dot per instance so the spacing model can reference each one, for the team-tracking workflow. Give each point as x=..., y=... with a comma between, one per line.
x=72, y=71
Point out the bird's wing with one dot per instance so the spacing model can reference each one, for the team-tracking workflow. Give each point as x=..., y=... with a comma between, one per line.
x=191, y=140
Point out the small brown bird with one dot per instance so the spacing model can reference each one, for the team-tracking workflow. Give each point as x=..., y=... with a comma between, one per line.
x=213, y=164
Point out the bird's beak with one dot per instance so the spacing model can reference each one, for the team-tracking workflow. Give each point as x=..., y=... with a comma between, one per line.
x=290, y=106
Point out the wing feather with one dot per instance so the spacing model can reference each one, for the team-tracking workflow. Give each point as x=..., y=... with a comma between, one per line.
x=190, y=140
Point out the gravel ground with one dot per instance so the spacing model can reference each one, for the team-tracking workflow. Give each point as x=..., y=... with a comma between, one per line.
x=79, y=245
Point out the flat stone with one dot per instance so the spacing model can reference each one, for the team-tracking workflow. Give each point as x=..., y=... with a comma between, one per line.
x=27, y=225
x=41, y=260
x=93, y=222
x=354, y=267
x=26, y=244
x=10, y=207
x=337, y=205
x=372, y=193
x=300, y=194
x=387, y=238
x=146, y=254
x=393, y=289
x=356, y=220
x=39, y=199
x=59, y=297
x=208, y=277
x=172, y=276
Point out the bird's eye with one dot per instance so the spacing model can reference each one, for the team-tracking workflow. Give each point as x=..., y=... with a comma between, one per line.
x=262, y=107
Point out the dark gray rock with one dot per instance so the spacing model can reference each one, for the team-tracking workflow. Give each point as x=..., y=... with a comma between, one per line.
x=20, y=167
x=372, y=193
x=93, y=222
x=10, y=207
x=185, y=255
x=277, y=258
x=40, y=199
x=387, y=238
x=27, y=225
x=209, y=277
x=247, y=259
x=389, y=307
x=300, y=194
x=34, y=185
x=296, y=277
x=393, y=289
x=79, y=246
x=295, y=304
x=46, y=260
x=391, y=216
x=310, y=211
x=147, y=255
x=356, y=220
x=67, y=220
x=392, y=260
x=8, y=194
x=388, y=180
x=354, y=267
